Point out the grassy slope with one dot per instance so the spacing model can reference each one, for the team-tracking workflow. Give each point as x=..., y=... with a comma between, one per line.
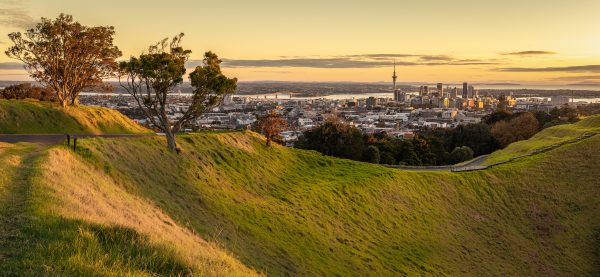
x=60, y=217
x=29, y=117
x=545, y=138
x=286, y=211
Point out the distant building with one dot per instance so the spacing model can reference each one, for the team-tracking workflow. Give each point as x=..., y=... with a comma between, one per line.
x=559, y=100
x=372, y=102
x=454, y=93
x=465, y=91
x=470, y=93
x=440, y=89
x=399, y=96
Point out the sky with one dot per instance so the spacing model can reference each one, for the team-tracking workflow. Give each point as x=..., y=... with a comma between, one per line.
x=509, y=41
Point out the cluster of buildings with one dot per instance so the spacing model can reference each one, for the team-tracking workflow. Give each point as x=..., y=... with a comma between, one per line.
x=400, y=115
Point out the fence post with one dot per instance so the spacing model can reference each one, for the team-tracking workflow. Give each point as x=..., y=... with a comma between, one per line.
x=75, y=144
x=68, y=140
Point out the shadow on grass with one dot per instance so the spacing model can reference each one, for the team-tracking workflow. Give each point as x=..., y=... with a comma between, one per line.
x=58, y=246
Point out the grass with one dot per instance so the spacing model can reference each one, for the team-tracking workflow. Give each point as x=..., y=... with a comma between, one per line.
x=291, y=212
x=60, y=218
x=34, y=117
x=230, y=206
x=546, y=137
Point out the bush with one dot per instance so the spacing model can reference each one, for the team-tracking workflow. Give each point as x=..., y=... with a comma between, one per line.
x=372, y=154
x=334, y=139
x=26, y=90
x=460, y=154
x=521, y=127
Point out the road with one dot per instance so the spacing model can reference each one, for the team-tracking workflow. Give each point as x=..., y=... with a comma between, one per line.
x=58, y=138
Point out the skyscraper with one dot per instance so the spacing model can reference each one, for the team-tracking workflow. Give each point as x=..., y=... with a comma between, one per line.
x=440, y=89
x=471, y=92
x=465, y=90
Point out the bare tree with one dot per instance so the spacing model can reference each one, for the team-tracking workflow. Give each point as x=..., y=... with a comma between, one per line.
x=271, y=125
x=66, y=56
x=152, y=77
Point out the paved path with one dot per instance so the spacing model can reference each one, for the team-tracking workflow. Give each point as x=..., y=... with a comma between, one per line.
x=58, y=138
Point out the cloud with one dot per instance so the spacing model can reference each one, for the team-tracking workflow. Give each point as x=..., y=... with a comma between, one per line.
x=580, y=68
x=16, y=17
x=313, y=63
x=11, y=65
x=435, y=58
x=577, y=78
x=353, y=61
x=528, y=53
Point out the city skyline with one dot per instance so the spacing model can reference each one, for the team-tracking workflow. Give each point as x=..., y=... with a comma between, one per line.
x=430, y=41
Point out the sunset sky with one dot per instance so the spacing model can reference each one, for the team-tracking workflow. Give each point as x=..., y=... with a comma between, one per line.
x=527, y=42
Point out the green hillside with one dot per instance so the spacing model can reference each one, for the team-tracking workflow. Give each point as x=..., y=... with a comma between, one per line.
x=227, y=204
x=545, y=138
x=35, y=117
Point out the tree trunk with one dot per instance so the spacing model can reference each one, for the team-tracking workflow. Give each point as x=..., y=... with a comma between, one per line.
x=75, y=101
x=63, y=103
x=268, y=140
x=171, y=140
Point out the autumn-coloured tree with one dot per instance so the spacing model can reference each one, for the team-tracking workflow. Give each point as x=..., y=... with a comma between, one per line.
x=153, y=76
x=520, y=127
x=271, y=125
x=66, y=56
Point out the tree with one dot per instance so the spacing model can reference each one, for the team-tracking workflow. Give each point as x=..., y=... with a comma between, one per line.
x=152, y=77
x=523, y=126
x=271, y=124
x=460, y=154
x=496, y=116
x=66, y=56
x=334, y=138
x=478, y=137
x=26, y=90
x=371, y=154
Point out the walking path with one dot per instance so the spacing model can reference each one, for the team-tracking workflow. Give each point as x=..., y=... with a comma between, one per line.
x=13, y=206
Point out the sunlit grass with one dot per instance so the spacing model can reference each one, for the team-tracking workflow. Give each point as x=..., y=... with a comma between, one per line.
x=547, y=137
x=31, y=116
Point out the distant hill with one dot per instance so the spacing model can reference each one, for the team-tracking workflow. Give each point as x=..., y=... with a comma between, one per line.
x=230, y=206
x=30, y=116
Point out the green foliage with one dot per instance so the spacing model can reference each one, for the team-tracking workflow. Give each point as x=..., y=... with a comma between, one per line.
x=65, y=56
x=460, y=154
x=334, y=138
x=372, y=154
x=152, y=77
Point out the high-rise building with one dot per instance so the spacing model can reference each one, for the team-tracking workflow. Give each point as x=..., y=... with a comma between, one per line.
x=440, y=89
x=454, y=93
x=471, y=92
x=425, y=90
x=465, y=90
x=372, y=102
x=399, y=96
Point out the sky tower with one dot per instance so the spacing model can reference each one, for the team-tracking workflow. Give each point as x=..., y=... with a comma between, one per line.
x=394, y=77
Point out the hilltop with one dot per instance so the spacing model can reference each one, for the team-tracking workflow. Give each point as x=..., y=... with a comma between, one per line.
x=37, y=117
x=230, y=206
